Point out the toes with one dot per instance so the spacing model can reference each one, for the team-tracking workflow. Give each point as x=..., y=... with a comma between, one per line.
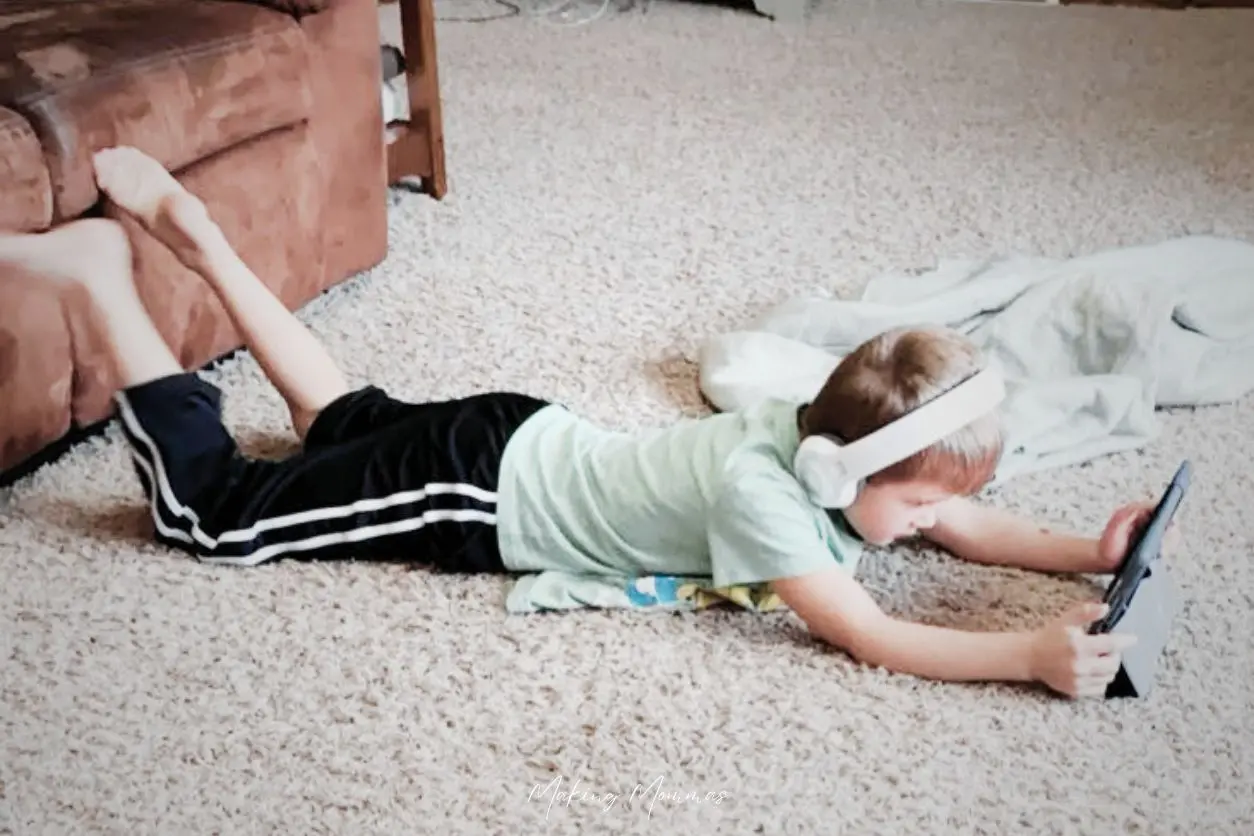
x=107, y=160
x=104, y=164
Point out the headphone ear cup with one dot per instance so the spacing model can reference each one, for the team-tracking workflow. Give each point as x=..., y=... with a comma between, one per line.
x=848, y=494
x=821, y=472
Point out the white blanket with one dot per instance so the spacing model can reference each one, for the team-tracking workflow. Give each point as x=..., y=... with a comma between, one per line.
x=1090, y=345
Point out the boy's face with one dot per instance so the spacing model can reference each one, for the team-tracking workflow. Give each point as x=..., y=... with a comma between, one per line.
x=888, y=512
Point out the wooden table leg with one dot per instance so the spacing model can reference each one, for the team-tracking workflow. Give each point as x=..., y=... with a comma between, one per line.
x=416, y=148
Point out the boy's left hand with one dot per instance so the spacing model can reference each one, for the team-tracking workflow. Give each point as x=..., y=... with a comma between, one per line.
x=1123, y=528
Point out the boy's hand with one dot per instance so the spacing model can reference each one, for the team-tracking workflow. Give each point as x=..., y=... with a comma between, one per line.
x=1066, y=658
x=1124, y=526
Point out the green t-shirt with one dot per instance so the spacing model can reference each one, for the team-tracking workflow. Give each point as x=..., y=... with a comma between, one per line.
x=710, y=497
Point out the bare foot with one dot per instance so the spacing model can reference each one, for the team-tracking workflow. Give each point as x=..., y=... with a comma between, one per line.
x=94, y=252
x=141, y=186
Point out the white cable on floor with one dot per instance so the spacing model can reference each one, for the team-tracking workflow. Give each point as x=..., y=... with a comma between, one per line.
x=547, y=12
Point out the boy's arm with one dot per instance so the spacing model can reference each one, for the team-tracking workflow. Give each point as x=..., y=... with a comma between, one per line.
x=984, y=534
x=838, y=610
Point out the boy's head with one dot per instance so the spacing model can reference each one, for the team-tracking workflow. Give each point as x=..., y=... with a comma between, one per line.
x=882, y=380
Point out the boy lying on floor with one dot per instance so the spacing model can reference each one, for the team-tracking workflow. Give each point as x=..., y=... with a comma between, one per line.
x=904, y=431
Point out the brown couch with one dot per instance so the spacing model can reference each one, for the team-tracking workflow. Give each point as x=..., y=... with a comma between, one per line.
x=269, y=110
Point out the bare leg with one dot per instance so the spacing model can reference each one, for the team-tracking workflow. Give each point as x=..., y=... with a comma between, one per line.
x=291, y=356
x=96, y=255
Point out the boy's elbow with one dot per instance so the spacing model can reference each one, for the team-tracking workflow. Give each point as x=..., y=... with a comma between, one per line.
x=869, y=649
x=862, y=641
x=838, y=611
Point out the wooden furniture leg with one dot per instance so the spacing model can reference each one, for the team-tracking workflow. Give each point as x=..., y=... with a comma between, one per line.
x=416, y=146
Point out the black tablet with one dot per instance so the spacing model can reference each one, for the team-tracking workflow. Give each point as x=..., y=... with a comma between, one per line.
x=1143, y=551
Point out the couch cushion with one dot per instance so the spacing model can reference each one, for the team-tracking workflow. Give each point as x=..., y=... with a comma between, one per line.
x=36, y=372
x=181, y=79
x=25, y=195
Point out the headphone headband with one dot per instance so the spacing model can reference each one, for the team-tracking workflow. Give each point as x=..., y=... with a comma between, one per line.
x=832, y=471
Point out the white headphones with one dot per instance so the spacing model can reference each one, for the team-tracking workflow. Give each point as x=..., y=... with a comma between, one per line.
x=833, y=473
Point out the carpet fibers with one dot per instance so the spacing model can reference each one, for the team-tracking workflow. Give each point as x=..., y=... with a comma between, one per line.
x=620, y=191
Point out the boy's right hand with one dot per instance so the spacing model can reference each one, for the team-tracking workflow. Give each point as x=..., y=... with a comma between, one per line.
x=1066, y=658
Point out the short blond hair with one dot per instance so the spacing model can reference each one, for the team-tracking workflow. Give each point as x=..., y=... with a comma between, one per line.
x=894, y=373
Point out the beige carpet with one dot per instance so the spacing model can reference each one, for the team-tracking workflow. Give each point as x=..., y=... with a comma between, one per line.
x=619, y=191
